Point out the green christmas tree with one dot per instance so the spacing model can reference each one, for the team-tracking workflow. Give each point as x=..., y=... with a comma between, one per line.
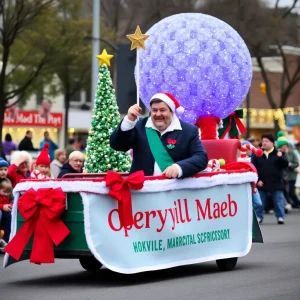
x=100, y=156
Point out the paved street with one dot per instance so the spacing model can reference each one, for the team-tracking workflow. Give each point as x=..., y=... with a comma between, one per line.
x=271, y=271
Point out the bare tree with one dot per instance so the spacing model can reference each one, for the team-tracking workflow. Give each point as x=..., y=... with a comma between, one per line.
x=122, y=16
x=290, y=76
x=263, y=28
x=16, y=17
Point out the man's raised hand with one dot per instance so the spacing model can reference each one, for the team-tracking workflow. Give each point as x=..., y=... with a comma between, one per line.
x=134, y=112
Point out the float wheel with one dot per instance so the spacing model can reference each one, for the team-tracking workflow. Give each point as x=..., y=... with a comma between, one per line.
x=90, y=263
x=227, y=264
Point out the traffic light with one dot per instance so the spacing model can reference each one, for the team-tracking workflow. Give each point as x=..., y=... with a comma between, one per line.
x=263, y=88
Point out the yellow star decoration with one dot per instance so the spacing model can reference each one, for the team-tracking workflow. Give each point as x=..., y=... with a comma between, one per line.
x=104, y=58
x=137, y=39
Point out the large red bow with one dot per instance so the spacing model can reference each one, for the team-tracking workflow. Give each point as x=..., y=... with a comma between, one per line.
x=119, y=189
x=41, y=210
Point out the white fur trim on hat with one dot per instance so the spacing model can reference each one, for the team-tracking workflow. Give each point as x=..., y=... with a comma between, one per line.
x=170, y=100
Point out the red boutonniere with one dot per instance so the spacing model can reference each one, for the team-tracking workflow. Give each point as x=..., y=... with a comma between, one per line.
x=171, y=143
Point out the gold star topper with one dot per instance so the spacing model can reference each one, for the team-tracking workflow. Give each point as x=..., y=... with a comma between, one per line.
x=104, y=58
x=137, y=39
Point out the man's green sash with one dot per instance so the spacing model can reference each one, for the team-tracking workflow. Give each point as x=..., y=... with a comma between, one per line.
x=159, y=152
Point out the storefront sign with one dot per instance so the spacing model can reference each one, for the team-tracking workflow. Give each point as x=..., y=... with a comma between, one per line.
x=33, y=118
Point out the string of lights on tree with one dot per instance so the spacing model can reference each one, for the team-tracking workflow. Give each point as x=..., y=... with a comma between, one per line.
x=100, y=156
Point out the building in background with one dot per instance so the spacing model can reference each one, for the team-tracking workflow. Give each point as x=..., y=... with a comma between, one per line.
x=261, y=115
x=30, y=117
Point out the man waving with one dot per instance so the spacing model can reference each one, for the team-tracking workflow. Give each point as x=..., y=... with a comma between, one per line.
x=161, y=143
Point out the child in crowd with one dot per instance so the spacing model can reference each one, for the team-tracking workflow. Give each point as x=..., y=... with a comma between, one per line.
x=5, y=209
x=3, y=168
x=42, y=165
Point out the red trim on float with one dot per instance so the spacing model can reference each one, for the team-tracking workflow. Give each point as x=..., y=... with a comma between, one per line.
x=79, y=176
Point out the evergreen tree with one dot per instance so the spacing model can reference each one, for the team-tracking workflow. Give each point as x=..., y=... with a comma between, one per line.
x=100, y=156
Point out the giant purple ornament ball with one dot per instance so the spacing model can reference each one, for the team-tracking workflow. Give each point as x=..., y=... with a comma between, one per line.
x=199, y=59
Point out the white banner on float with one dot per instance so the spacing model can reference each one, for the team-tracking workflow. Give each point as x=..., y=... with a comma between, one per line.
x=170, y=228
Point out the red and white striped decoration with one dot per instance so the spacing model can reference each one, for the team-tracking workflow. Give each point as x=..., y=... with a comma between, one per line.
x=244, y=148
x=214, y=166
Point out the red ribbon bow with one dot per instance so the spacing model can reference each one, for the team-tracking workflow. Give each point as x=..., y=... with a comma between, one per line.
x=119, y=189
x=41, y=210
x=233, y=125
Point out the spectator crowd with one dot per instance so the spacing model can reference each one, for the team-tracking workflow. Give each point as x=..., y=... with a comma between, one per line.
x=52, y=162
x=278, y=176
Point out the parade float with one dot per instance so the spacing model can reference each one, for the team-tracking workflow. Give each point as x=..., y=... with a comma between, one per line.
x=132, y=223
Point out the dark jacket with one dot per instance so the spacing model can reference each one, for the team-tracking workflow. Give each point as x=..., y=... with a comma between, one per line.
x=66, y=169
x=270, y=171
x=292, y=158
x=26, y=144
x=188, y=153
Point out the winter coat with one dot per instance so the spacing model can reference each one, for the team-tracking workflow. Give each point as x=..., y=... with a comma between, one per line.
x=26, y=145
x=55, y=168
x=8, y=147
x=3, y=201
x=15, y=176
x=67, y=169
x=270, y=171
x=293, y=164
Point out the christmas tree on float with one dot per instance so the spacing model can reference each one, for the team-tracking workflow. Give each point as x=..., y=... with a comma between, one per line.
x=100, y=156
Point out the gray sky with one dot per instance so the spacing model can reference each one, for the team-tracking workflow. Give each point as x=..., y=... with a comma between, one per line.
x=283, y=2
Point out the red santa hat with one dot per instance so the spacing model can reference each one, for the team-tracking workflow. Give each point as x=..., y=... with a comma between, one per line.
x=44, y=158
x=170, y=100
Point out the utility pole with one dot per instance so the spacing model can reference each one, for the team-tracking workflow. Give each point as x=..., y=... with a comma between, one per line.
x=96, y=46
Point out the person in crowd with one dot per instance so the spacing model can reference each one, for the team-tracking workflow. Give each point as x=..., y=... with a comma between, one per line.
x=291, y=172
x=254, y=141
x=270, y=177
x=5, y=209
x=42, y=165
x=3, y=168
x=3, y=173
x=73, y=165
x=257, y=204
x=52, y=146
x=8, y=145
x=57, y=163
x=297, y=184
x=26, y=143
x=71, y=146
x=20, y=167
x=174, y=147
